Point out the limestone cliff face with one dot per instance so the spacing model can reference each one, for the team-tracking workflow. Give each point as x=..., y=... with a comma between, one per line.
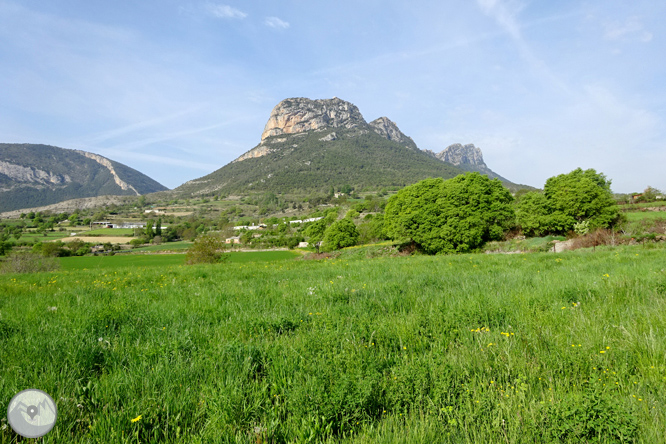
x=468, y=158
x=458, y=154
x=292, y=116
x=385, y=127
x=258, y=151
x=109, y=166
x=32, y=175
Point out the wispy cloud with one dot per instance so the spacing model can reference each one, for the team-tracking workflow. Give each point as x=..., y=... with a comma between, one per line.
x=275, y=22
x=153, y=158
x=505, y=13
x=135, y=127
x=225, y=11
x=632, y=29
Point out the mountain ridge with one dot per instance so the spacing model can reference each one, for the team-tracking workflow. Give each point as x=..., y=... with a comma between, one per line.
x=33, y=175
x=318, y=144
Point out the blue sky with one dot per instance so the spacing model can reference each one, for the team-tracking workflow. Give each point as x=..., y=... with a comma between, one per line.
x=177, y=89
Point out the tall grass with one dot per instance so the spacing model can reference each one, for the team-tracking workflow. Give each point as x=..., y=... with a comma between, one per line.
x=461, y=349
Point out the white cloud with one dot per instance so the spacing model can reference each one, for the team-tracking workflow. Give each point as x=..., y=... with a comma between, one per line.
x=225, y=12
x=276, y=23
x=632, y=29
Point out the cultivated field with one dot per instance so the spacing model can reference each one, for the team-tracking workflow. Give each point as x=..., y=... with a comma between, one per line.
x=99, y=239
x=461, y=349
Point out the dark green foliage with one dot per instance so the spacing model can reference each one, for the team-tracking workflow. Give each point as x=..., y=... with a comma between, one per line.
x=207, y=249
x=536, y=217
x=582, y=195
x=341, y=234
x=372, y=229
x=54, y=249
x=5, y=247
x=87, y=178
x=568, y=199
x=149, y=230
x=353, y=161
x=450, y=216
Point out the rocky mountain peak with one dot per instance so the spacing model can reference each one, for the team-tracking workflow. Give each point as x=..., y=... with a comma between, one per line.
x=385, y=127
x=297, y=115
x=458, y=154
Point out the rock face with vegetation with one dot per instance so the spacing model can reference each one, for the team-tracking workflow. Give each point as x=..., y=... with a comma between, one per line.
x=385, y=127
x=37, y=175
x=459, y=154
x=293, y=116
x=468, y=158
x=315, y=145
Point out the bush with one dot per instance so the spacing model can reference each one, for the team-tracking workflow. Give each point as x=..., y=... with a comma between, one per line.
x=341, y=234
x=136, y=243
x=207, y=249
x=54, y=249
x=450, y=216
x=582, y=195
x=28, y=263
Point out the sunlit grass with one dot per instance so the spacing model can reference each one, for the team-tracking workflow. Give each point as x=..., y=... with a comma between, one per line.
x=470, y=348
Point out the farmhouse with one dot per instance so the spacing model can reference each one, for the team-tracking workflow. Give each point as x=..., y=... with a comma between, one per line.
x=232, y=240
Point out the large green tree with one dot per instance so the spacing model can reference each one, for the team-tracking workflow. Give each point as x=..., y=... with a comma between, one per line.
x=581, y=195
x=341, y=234
x=450, y=216
x=536, y=217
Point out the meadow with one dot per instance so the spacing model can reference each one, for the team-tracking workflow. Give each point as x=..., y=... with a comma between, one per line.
x=518, y=348
x=103, y=262
x=110, y=232
x=644, y=215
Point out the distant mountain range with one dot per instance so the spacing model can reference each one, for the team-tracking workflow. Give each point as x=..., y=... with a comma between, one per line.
x=306, y=146
x=36, y=175
x=313, y=145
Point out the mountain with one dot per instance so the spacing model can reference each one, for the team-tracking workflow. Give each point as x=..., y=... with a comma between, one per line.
x=467, y=158
x=35, y=175
x=313, y=145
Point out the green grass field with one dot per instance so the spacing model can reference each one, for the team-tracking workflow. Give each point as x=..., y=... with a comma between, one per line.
x=109, y=232
x=164, y=260
x=629, y=207
x=529, y=348
x=169, y=246
x=645, y=215
x=39, y=237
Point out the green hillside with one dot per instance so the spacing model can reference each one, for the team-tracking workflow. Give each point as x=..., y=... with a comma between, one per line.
x=35, y=175
x=304, y=162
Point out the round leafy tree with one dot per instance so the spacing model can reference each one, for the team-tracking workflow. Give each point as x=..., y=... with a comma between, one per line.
x=341, y=234
x=567, y=200
x=450, y=216
x=207, y=249
x=582, y=195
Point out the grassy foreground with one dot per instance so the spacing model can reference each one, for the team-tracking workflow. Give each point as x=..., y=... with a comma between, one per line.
x=470, y=348
x=164, y=260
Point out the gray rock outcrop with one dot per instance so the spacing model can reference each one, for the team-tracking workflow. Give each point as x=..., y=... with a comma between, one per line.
x=385, y=127
x=292, y=116
x=458, y=154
